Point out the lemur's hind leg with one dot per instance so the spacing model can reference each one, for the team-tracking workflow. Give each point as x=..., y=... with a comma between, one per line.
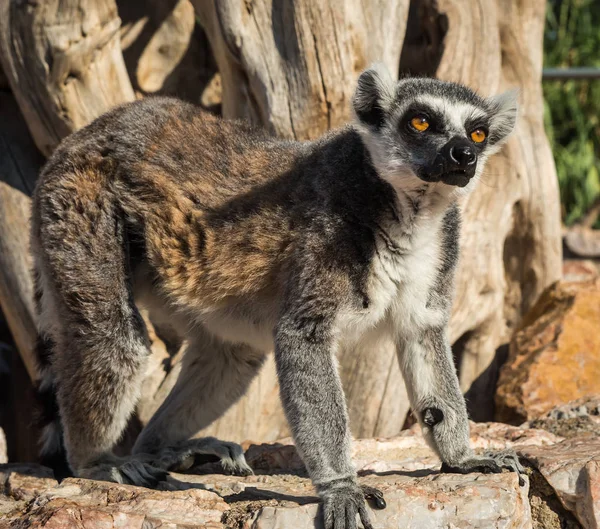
x=99, y=340
x=214, y=375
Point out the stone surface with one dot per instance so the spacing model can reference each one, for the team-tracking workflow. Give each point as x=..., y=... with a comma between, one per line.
x=565, y=478
x=579, y=270
x=269, y=502
x=39, y=501
x=408, y=451
x=583, y=241
x=434, y=501
x=572, y=469
x=280, y=496
x=555, y=356
x=574, y=419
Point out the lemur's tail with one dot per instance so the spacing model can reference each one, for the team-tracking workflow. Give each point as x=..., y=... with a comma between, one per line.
x=52, y=448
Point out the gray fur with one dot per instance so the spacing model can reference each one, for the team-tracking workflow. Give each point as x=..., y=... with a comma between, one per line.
x=244, y=243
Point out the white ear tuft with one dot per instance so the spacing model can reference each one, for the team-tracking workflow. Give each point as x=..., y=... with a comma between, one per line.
x=504, y=111
x=374, y=95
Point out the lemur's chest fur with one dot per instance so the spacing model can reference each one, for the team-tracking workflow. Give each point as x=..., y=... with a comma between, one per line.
x=402, y=279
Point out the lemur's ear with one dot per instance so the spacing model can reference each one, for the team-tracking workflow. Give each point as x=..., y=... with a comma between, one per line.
x=374, y=95
x=504, y=108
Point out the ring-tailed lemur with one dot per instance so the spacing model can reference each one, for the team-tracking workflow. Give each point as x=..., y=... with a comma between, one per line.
x=247, y=243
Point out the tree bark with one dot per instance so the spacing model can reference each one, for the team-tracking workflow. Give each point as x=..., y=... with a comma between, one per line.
x=63, y=62
x=20, y=162
x=511, y=237
x=166, y=52
x=291, y=66
x=64, y=65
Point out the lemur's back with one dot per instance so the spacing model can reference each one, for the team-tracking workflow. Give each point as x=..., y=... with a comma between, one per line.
x=173, y=178
x=174, y=141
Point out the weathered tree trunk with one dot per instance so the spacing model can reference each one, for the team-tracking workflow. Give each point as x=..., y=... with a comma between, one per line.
x=292, y=68
x=167, y=52
x=63, y=62
x=19, y=165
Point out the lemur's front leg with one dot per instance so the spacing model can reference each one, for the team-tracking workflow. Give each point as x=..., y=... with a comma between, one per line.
x=315, y=407
x=434, y=392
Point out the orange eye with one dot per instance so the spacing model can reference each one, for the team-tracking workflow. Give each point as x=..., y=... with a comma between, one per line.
x=478, y=135
x=420, y=123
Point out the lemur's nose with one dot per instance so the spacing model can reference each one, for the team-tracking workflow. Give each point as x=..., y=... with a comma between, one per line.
x=463, y=155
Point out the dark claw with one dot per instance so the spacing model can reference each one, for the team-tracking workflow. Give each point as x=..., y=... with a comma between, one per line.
x=490, y=462
x=510, y=461
x=375, y=495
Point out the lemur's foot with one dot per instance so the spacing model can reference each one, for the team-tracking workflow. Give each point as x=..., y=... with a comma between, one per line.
x=490, y=462
x=343, y=500
x=181, y=456
x=128, y=471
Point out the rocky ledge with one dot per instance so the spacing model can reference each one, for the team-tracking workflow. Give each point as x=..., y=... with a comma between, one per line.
x=562, y=489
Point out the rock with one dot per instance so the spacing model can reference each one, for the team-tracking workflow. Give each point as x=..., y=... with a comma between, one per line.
x=572, y=469
x=575, y=419
x=408, y=451
x=554, y=357
x=565, y=477
x=579, y=270
x=583, y=241
x=21, y=484
x=25, y=481
x=436, y=501
x=281, y=496
x=99, y=505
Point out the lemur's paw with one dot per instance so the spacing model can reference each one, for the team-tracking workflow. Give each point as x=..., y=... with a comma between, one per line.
x=490, y=462
x=342, y=501
x=375, y=495
x=182, y=456
x=130, y=472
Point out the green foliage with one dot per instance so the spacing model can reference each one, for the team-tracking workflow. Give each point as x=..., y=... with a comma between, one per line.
x=572, y=107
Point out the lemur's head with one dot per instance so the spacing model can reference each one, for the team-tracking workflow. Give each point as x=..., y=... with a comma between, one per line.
x=425, y=130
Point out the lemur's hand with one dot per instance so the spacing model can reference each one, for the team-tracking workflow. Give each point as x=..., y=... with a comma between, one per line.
x=343, y=500
x=490, y=462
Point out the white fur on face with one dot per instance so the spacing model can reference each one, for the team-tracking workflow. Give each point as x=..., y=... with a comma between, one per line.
x=455, y=114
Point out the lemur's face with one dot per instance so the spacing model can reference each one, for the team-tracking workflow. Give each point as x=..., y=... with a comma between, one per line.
x=432, y=130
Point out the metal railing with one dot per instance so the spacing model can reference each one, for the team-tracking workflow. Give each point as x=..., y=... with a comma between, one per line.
x=551, y=74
